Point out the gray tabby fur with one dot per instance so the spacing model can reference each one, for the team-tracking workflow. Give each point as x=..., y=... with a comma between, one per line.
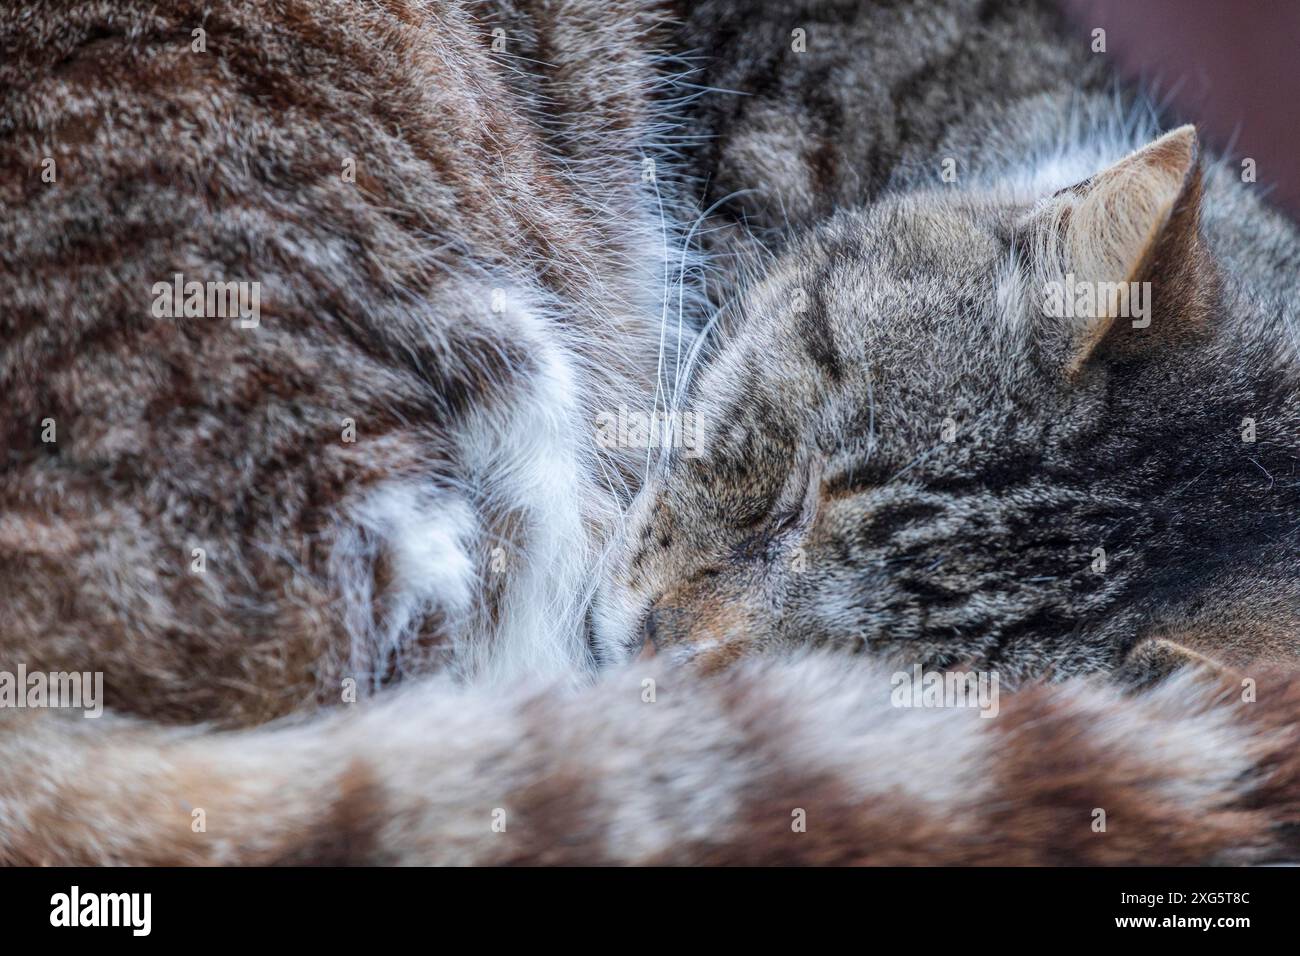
x=921, y=306
x=863, y=305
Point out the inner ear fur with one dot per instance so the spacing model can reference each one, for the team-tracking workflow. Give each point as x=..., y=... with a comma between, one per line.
x=1137, y=221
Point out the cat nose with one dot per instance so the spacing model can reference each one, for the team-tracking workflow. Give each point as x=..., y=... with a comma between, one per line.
x=649, y=628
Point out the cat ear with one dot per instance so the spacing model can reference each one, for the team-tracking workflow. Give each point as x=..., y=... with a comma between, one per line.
x=1119, y=256
x=1155, y=658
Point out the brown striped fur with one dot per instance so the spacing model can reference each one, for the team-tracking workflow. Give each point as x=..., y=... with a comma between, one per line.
x=523, y=172
x=709, y=773
x=474, y=176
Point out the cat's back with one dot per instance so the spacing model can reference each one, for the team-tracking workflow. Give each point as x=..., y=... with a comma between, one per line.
x=280, y=349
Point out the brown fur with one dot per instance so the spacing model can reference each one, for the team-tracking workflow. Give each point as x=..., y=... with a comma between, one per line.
x=710, y=773
x=227, y=165
x=473, y=176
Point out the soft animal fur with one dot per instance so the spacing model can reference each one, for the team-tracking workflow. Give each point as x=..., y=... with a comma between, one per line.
x=907, y=453
x=902, y=451
x=394, y=471
x=803, y=762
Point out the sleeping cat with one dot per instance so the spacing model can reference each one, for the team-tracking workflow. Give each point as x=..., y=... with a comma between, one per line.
x=909, y=446
x=909, y=449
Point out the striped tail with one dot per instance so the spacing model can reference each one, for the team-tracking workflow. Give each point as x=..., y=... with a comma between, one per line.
x=797, y=762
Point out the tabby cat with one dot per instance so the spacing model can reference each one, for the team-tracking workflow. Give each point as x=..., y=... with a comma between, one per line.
x=469, y=225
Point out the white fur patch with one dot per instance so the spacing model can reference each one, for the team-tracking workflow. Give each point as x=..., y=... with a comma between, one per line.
x=936, y=756
x=428, y=534
x=497, y=545
x=527, y=463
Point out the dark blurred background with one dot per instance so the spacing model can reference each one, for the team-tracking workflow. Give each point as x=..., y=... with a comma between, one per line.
x=1230, y=66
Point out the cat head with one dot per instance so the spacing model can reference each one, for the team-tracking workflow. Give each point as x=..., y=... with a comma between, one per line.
x=909, y=441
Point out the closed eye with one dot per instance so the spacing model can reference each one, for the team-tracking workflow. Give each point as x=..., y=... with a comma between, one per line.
x=805, y=504
x=794, y=505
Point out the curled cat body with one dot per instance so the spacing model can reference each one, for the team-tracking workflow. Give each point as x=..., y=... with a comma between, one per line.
x=999, y=377
x=388, y=470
